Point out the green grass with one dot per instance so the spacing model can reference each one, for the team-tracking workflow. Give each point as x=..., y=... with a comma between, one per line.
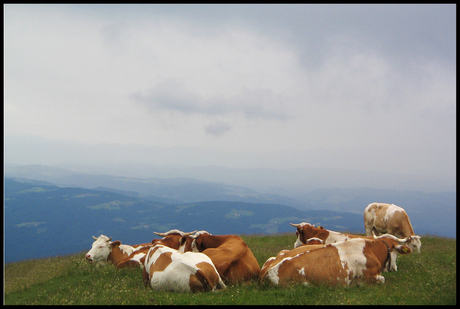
x=428, y=278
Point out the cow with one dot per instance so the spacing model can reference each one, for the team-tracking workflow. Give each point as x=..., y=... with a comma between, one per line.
x=232, y=257
x=388, y=218
x=174, y=239
x=309, y=234
x=167, y=269
x=341, y=263
x=306, y=231
x=284, y=253
x=103, y=249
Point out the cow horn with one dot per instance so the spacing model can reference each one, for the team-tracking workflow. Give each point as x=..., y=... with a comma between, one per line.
x=401, y=240
x=94, y=237
x=160, y=234
x=295, y=225
x=373, y=234
x=189, y=233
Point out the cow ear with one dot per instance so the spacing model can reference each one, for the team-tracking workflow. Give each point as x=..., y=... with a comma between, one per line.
x=403, y=249
x=116, y=243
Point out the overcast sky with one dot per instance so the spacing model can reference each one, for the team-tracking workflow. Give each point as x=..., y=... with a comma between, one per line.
x=369, y=87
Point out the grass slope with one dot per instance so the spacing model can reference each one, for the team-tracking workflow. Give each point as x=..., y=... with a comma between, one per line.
x=428, y=278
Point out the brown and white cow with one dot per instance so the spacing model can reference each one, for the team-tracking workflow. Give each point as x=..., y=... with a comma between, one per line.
x=341, y=263
x=232, y=257
x=309, y=234
x=167, y=269
x=174, y=239
x=389, y=218
x=306, y=231
x=285, y=253
x=103, y=249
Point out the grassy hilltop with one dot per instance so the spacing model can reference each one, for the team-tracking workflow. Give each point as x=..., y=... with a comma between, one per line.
x=428, y=278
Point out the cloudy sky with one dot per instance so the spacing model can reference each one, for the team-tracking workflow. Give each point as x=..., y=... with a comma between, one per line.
x=369, y=87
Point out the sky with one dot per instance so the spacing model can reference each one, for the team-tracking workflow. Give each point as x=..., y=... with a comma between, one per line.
x=354, y=87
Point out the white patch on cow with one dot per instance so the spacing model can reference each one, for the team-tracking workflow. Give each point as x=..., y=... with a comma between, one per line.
x=315, y=239
x=391, y=211
x=298, y=243
x=272, y=272
x=335, y=237
x=137, y=258
x=176, y=275
x=126, y=249
x=302, y=271
x=352, y=257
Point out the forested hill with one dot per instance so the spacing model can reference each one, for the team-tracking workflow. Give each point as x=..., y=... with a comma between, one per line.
x=44, y=220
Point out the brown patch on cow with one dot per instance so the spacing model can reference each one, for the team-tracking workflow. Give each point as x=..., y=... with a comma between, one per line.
x=197, y=283
x=231, y=256
x=376, y=253
x=317, y=266
x=161, y=262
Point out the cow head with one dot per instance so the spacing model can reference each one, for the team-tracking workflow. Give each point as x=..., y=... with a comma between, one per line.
x=197, y=241
x=394, y=245
x=304, y=232
x=414, y=243
x=101, y=249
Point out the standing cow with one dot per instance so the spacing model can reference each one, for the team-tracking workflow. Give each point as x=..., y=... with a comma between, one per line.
x=389, y=218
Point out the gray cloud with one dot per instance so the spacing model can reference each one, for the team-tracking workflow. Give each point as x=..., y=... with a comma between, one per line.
x=259, y=77
x=217, y=128
x=171, y=95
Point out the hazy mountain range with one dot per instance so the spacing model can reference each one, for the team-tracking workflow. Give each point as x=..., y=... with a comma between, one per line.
x=52, y=211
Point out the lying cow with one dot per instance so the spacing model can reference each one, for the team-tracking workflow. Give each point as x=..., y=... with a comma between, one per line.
x=103, y=249
x=388, y=218
x=306, y=231
x=232, y=257
x=174, y=239
x=167, y=269
x=286, y=253
x=340, y=263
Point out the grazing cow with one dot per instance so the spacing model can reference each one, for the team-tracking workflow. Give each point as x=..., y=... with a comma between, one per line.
x=340, y=263
x=392, y=219
x=105, y=250
x=232, y=257
x=174, y=239
x=167, y=269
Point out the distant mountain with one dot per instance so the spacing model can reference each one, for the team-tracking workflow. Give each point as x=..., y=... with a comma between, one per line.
x=43, y=220
x=430, y=213
x=172, y=190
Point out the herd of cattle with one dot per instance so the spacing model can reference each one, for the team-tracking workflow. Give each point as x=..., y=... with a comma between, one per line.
x=200, y=261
